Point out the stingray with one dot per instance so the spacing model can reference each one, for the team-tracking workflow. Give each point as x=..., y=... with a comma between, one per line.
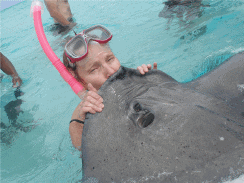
x=155, y=129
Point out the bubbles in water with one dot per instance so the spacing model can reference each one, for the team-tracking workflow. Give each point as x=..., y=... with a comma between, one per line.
x=222, y=138
x=240, y=87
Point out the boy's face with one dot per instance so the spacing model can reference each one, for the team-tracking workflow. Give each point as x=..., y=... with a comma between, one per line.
x=100, y=66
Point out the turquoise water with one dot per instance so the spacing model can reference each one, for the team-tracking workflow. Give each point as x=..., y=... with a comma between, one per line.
x=40, y=150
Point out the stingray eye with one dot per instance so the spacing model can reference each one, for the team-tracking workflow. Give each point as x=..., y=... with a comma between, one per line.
x=141, y=117
x=137, y=107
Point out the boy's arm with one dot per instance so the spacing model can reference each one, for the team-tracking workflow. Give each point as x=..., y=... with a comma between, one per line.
x=75, y=130
x=92, y=103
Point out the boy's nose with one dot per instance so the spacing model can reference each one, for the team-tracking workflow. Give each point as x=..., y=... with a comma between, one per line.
x=109, y=71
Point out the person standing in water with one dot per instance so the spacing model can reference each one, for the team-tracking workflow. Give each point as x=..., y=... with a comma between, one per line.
x=61, y=13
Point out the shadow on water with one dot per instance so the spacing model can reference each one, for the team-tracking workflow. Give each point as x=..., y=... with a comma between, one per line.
x=184, y=12
x=62, y=35
x=12, y=126
x=58, y=29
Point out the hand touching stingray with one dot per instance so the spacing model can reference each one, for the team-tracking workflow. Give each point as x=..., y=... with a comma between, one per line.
x=145, y=68
x=92, y=103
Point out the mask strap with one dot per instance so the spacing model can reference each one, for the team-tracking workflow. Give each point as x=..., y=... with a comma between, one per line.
x=72, y=65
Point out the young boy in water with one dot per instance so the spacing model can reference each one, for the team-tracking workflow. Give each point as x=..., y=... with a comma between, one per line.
x=92, y=71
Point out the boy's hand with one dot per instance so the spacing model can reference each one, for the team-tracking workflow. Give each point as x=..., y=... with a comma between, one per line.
x=145, y=68
x=92, y=103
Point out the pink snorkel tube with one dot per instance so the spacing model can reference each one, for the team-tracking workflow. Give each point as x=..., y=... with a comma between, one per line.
x=37, y=9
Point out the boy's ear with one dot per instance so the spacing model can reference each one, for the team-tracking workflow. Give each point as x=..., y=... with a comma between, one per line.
x=81, y=81
x=72, y=72
x=76, y=76
x=69, y=66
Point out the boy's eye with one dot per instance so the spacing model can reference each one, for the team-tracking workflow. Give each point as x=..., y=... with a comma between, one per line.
x=93, y=69
x=111, y=58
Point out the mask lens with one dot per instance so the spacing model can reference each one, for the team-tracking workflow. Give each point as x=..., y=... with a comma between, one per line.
x=98, y=33
x=77, y=47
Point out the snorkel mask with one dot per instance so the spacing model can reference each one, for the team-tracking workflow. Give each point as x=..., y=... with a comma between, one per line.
x=77, y=48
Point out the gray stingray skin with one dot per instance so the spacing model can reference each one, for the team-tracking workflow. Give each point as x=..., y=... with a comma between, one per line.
x=197, y=134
